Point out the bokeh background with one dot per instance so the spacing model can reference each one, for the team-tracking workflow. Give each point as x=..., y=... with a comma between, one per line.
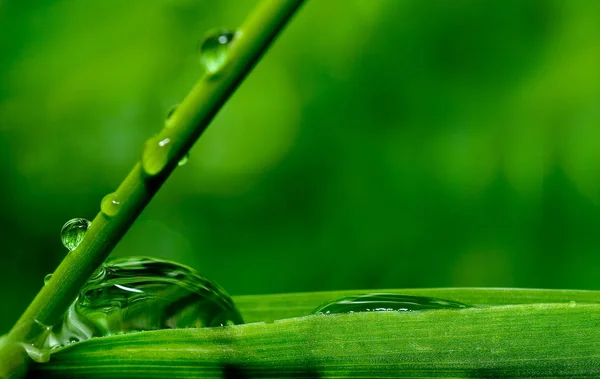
x=378, y=144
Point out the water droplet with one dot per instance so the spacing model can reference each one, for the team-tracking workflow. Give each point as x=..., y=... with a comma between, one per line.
x=110, y=205
x=170, y=115
x=73, y=231
x=32, y=341
x=215, y=48
x=378, y=302
x=572, y=304
x=183, y=160
x=35, y=353
x=156, y=155
x=139, y=293
x=171, y=111
x=47, y=278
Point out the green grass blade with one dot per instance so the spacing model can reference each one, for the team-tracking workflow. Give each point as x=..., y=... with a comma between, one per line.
x=557, y=340
x=279, y=306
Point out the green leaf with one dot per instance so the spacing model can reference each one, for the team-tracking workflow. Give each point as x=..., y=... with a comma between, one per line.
x=546, y=337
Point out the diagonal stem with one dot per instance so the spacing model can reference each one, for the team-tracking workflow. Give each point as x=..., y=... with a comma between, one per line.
x=184, y=127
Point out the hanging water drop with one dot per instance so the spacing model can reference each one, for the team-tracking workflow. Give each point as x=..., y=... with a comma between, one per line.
x=156, y=155
x=214, y=49
x=140, y=293
x=183, y=160
x=110, y=205
x=377, y=302
x=47, y=278
x=73, y=231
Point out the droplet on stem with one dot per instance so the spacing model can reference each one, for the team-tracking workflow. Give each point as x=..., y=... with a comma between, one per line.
x=171, y=111
x=47, y=278
x=214, y=49
x=73, y=231
x=110, y=205
x=156, y=155
x=183, y=160
x=170, y=114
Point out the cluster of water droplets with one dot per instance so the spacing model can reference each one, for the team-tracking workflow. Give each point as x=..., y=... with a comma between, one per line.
x=386, y=302
x=214, y=52
x=140, y=293
x=134, y=294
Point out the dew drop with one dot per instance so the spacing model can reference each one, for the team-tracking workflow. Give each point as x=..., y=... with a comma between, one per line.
x=170, y=115
x=110, y=205
x=73, y=231
x=139, y=293
x=37, y=354
x=171, y=111
x=183, y=160
x=47, y=278
x=156, y=155
x=214, y=49
x=386, y=302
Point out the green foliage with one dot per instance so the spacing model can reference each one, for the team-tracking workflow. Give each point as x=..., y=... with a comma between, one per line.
x=398, y=144
x=432, y=144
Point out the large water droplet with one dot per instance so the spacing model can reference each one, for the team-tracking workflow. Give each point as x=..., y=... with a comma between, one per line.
x=110, y=205
x=47, y=278
x=156, y=155
x=183, y=160
x=139, y=293
x=73, y=231
x=214, y=49
x=377, y=302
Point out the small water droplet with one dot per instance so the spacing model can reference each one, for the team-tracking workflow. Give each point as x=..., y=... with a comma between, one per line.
x=183, y=160
x=47, y=278
x=73, y=231
x=572, y=304
x=171, y=111
x=140, y=293
x=170, y=115
x=386, y=302
x=110, y=205
x=156, y=155
x=214, y=49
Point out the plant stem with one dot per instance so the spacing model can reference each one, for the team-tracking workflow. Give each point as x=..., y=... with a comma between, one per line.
x=184, y=127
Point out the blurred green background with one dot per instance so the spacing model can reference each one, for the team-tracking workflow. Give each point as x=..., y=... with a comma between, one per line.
x=378, y=144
